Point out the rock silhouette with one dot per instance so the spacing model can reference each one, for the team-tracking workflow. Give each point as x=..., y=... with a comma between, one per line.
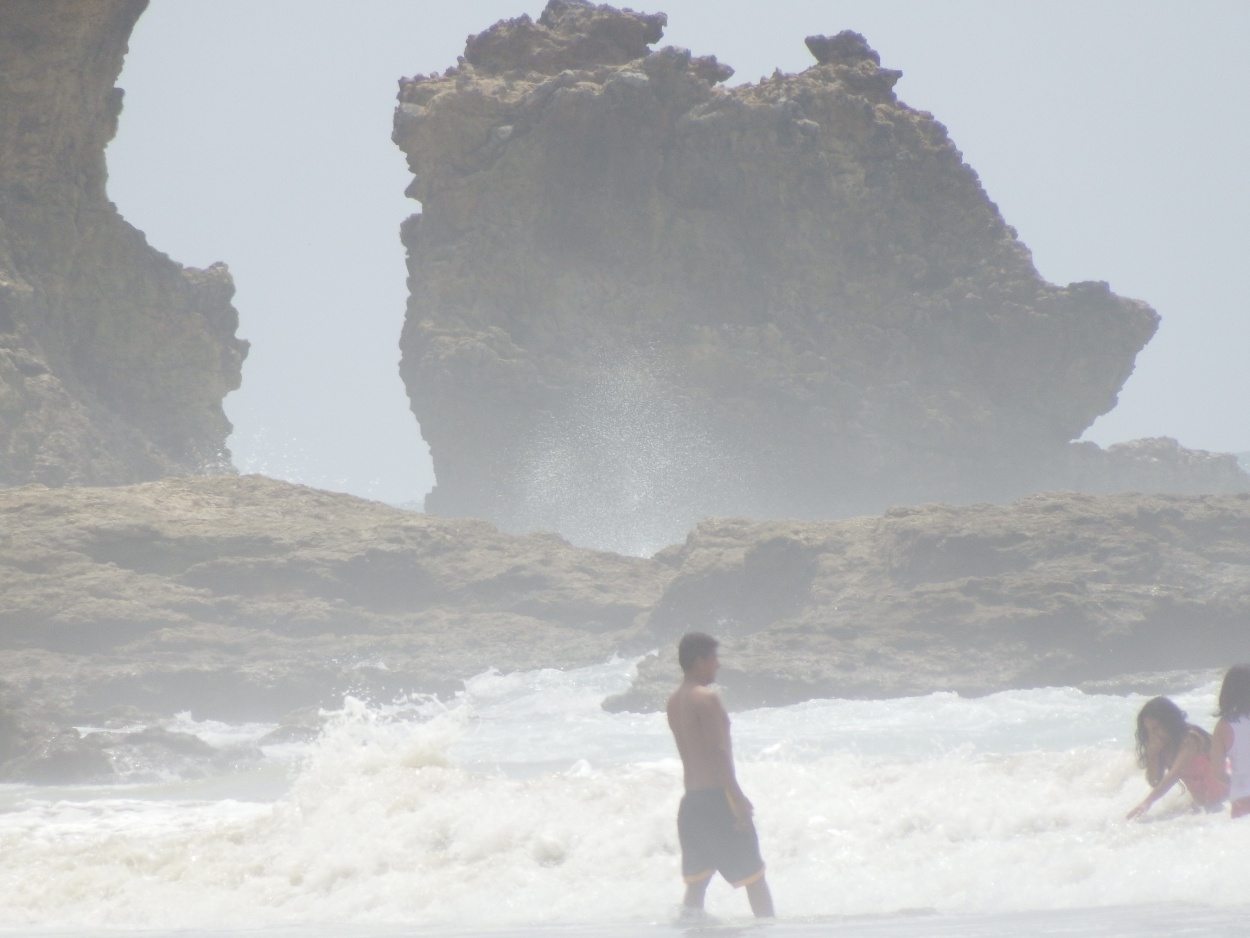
x=799, y=284
x=114, y=359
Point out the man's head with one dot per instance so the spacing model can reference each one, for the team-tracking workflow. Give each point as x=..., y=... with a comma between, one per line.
x=696, y=653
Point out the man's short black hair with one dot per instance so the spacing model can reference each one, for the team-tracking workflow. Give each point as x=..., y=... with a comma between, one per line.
x=692, y=647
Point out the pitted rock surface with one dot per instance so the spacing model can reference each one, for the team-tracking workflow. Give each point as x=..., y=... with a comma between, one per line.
x=797, y=287
x=1119, y=593
x=245, y=598
x=114, y=359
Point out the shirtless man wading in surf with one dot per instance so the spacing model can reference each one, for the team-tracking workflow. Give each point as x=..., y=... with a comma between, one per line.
x=714, y=822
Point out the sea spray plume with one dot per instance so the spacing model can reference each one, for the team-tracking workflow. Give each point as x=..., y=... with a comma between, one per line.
x=624, y=465
x=282, y=455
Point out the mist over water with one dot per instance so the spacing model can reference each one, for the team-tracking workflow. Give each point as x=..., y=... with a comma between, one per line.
x=523, y=804
x=625, y=466
x=284, y=455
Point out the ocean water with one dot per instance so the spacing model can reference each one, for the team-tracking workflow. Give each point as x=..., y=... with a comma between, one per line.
x=521, y=808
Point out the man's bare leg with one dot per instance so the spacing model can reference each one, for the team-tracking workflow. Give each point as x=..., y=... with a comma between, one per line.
x=695, y=892
x=760, y=897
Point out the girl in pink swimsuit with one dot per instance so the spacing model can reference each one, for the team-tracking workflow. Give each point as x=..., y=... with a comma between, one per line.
x=1171, y=751
x=1230, y=743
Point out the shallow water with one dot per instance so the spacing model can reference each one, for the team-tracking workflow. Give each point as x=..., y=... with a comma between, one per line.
x=1151, y=921
x=523, y=808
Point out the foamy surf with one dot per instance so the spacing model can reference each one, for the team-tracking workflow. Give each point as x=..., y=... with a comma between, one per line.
x=522, y=806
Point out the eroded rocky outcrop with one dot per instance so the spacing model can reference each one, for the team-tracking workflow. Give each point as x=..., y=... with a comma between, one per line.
x=246, y=598
x=638, y=297
x=1054, y=589
x=114, y=359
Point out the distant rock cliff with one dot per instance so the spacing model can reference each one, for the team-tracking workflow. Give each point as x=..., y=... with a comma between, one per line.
x=113, y=359
x=638, y=298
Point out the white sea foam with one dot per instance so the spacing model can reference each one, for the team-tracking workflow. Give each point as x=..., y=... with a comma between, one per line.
x=524, y=804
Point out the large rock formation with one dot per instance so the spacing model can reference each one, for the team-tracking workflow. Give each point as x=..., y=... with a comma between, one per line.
x=113, y=359
x=246, y=598
x=638, y=298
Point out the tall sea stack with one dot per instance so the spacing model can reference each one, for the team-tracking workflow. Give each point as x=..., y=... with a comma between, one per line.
x=639, y=297
x=114, y=359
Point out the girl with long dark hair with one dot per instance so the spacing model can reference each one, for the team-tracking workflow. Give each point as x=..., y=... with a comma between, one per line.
x=1172, y=750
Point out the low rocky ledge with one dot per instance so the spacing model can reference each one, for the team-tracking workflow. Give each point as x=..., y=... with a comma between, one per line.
x=1054, y=589
x=246, y=597
x=250, y=598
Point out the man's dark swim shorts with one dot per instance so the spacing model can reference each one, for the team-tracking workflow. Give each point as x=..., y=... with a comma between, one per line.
x=711, y=841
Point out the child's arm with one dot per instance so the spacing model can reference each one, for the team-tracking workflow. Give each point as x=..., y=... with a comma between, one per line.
x=1156, y=768
x=1221, y=740
x=1188, y=749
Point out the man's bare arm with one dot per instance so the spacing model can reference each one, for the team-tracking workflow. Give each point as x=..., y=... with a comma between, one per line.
x=717, y=729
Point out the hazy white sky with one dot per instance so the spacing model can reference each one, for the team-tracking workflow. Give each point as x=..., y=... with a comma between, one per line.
x=1112, y=135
